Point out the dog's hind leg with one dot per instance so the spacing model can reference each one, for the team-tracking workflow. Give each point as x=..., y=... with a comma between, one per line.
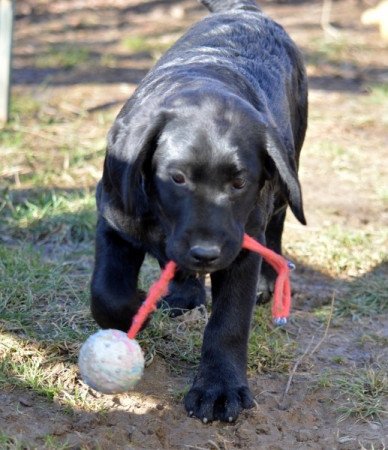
x=185, y=292
x=273, y=237
x=114, y=295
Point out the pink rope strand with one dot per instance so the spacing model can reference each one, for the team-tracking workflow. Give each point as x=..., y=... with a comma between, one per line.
x=157, y=291
x=282, y=294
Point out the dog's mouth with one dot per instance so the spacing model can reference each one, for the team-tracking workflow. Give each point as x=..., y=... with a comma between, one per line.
x=193, y=266
x=203, y=269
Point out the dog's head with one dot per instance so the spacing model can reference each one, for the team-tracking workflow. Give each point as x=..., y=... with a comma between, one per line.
x=199, y=166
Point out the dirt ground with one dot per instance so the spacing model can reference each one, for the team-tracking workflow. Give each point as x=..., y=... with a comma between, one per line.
x=342, y=168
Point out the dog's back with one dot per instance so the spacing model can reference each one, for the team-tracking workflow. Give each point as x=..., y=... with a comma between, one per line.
x=239, y=49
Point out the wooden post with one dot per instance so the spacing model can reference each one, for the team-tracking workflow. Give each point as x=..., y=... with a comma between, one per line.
x=6, y=29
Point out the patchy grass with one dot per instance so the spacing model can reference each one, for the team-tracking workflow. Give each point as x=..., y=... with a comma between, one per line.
x=11, y=443
x=324, y=381
x=333, y=50
x=41, y=299
x=46, y=146
x=24, y=106
x=270, y=348
x=338, y=251
x=10, y=139
x=44, y=369
x=378, y=94
x=63, y=56
x=155, y=47
x=178, y=340
x=363, y=393
x=54, y=443
x=367, y=297
x=374, y=339
x=359, y=393
x=136, y=44
x=50, y=216
x=28, y=365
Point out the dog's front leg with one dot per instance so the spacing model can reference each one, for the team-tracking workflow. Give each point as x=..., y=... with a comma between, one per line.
x=220, y=390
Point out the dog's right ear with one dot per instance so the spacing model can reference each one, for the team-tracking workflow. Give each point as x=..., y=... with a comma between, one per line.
x=131, y=145
x=284, y=163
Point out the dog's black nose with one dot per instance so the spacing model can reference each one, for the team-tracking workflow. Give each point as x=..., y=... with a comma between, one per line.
x=205, y=253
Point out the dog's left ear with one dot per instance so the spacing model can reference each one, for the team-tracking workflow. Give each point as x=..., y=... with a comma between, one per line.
x=131, y=146
x=142, y=143
x=285, y=164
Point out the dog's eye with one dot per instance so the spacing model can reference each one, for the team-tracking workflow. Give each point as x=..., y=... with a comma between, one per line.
x=178, y=178
x=239, y=183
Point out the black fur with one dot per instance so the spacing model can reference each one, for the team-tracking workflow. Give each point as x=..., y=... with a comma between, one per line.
x=206, y=149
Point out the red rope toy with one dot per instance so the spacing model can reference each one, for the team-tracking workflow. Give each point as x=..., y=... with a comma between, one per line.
x=281, y=300
x=111, y=361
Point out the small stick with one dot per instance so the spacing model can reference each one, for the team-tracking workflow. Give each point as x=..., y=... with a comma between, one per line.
x=296, y=365
x=319, y=343
x=327, y=326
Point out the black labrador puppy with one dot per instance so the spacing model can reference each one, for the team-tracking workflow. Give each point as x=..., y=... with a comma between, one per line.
x=206, y=149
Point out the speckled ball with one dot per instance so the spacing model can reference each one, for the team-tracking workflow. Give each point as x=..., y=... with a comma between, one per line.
x=110, y=362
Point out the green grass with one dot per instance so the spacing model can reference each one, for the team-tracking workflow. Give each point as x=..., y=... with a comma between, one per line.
x=338, y=359
x=154, y=46
x=270, y=348
x=177, y=340
x=11, y=139
x=12, y=443
x=61, y=217
x=363, y=393
x=359, y=393
x=136, y=44
x=367, y=297
x=333, y=50
x=53, y=443
x=63, y=56
x=32, y=373
x=378, y=94
x=339, y=251
x=24, y=106
x=42, y=300
x=374, y=339
x=325, y=380
x=47, y=147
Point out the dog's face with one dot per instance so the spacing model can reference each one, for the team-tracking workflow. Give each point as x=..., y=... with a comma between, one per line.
x=200, y=169
x=206, y=179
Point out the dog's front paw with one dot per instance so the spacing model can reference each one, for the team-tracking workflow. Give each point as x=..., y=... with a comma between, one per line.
x=219, y=400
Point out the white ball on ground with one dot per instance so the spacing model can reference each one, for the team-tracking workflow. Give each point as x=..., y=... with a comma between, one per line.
x=110, y=362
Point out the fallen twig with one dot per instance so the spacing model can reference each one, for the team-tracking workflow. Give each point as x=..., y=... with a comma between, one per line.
x=293, y=371
x=327, y=327
x=319, y=343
